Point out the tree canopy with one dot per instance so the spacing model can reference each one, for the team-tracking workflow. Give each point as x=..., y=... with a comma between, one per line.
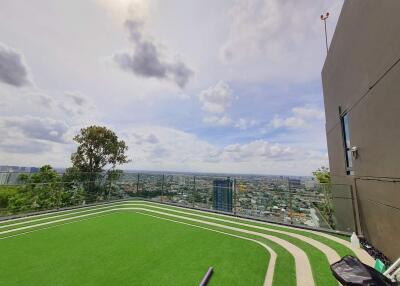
x=42, y=190
x=323, y=175
x=98, y=147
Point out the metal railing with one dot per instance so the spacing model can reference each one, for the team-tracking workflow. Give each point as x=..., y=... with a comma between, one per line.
x=277, y=199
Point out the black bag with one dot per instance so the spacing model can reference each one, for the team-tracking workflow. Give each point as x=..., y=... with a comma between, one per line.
x=350, y=271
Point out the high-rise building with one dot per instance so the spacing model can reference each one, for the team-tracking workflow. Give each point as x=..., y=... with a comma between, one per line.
x=294, y=183
x=361, y=83
x=34, y=170
x=223, y=195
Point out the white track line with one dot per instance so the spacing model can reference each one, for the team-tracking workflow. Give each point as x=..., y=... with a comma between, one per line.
x=271, y=265
x=55, y=216
x=331, y=254
x=52, y=226
x=304, y=274
x=303, y=269
x=361, y=253
x=53, y=221
x=51, y=213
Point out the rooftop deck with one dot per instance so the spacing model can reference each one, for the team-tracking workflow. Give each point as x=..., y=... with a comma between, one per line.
x=295, y=256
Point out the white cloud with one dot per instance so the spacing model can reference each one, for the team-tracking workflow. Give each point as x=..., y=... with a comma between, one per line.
x=257, y=150
x=303, y=117
x=120, y=10
x=259, y=41
x=309, y=113
x=289, y=122
x=66, y=106
x=217, y=120
x=183, y=151
x=41, y=125
x=244, y=124
x=216, y=98
x=278, y=39
x=168, y=147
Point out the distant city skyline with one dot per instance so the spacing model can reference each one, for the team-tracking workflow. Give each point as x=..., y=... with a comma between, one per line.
x=34, y=169
x=200, y=86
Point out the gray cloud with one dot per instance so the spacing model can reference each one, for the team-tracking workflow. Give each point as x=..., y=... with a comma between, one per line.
x=74, y=103
x=27, y=147
x=145, y=138
x=77, y=98
x=159, y=152
x=35, y=128
x=146, y=60
x=13, y=70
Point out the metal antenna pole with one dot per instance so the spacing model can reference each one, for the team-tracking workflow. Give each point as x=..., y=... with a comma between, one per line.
x=324, y=18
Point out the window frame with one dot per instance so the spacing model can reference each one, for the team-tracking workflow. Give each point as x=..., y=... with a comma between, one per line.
x=344, y=122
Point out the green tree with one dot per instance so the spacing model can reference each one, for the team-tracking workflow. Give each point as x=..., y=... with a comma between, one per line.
x=42, y=190
x=323, y=175
x=99, y=147
x=6, y=192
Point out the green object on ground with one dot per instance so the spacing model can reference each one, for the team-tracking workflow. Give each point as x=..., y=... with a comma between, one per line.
x=379, y=266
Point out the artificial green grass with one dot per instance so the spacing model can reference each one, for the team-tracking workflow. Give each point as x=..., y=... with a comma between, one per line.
x=52, y=224
x=54, y=212
x=284, y=271
x=339, y=248
x=129, y=249
x=318, y=261
x=284, y=274
x=55, y=216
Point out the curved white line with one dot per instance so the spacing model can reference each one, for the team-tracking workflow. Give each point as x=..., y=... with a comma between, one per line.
x=270, y=268
x=361, y=253
x=55, y=216
x=331, y=254
x=303, y=268
x=271, y=265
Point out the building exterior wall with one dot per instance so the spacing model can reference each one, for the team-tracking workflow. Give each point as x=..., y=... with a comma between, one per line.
x=222, y=195
x=361, y=76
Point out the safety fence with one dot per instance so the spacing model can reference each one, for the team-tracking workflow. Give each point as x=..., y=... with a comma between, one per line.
x=295, y=201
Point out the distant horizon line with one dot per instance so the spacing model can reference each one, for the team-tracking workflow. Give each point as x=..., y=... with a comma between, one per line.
x=176, y=172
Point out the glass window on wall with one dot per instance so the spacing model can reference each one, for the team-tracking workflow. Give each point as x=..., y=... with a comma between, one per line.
x=346, y=143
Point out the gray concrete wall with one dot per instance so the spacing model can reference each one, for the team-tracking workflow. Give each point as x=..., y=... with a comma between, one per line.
x=362, y=75
x=343, y=205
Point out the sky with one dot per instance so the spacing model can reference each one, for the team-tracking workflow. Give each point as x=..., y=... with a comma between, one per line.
x=228, y=86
